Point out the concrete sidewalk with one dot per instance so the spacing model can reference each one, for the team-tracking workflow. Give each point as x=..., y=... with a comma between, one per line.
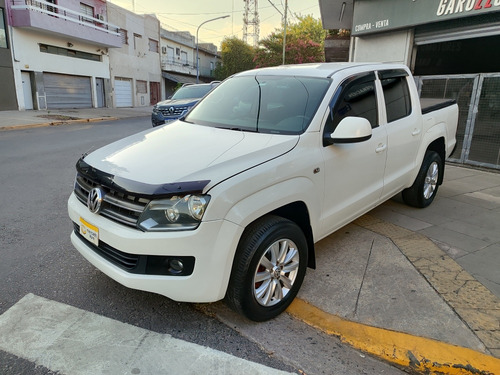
x=10, y=120
x=417, y=287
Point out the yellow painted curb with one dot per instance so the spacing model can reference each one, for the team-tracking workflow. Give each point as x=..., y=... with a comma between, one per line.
x=56, y=123
x=418, y=353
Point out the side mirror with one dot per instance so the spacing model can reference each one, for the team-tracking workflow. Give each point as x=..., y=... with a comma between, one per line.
x=349, y=130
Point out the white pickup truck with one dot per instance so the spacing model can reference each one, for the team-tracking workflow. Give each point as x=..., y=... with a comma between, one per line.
x=229, y=201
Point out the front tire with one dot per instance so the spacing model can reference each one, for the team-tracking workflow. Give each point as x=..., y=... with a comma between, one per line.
x=424, y=189
x=268, y=269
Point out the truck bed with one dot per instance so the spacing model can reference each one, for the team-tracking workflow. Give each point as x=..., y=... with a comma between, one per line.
x=430, y=105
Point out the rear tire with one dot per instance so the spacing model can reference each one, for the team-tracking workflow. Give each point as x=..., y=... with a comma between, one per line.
x=424, y=189
x=268, y=268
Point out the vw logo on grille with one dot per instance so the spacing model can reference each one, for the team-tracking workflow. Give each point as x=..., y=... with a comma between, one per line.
x=171, y=110
x=94, y=200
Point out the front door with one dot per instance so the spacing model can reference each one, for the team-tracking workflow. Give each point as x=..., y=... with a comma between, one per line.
x=99, y=86
x=28, y=96
x=354, y=172
x=154, y=92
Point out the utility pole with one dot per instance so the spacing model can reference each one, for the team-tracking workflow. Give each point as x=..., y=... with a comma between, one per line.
x=284, y=30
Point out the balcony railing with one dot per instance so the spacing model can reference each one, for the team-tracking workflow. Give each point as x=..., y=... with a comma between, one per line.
x=186, y=68
x=54, y=10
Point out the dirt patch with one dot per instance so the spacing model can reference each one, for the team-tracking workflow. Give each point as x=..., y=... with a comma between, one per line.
x=59, y=117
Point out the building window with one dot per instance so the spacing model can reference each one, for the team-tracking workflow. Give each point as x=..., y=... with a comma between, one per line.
x=184, y=57
x=170, y=54
x=153, y=45
x=3, y=34
x=124, y=36
x=137, y=37
x=87, y=10
x=45, y=48
x=142, y=87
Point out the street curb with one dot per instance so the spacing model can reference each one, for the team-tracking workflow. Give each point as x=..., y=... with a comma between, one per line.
x=56, y=123
x=473, y=302
x=405, y=350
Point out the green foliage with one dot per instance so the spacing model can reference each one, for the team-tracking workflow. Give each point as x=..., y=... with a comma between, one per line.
x=308, y=28
x=236, y=56
x=304, y=43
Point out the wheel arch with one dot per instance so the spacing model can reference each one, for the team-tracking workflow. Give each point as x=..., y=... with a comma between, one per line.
x=438, y=146
x=299, y=214
x=295, y=200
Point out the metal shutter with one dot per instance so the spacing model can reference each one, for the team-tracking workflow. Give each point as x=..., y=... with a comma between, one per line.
x=66, y=91
x=123, y=92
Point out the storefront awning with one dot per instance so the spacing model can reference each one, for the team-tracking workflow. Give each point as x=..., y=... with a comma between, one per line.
x=178, y=78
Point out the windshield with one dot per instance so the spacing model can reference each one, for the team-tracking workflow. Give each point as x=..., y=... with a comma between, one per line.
x=265, y=104
x=189, y=92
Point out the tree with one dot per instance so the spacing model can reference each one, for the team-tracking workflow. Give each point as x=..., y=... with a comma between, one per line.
x=308, y=27
x=304, y=43
x=236, y=56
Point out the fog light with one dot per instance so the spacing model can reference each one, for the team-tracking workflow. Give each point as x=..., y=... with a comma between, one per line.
x=176, y=266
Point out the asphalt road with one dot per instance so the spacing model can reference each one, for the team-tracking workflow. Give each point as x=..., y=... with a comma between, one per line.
x=37, y=169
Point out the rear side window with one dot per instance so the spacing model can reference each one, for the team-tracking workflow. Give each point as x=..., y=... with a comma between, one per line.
x=396, y=96
x=357, y=99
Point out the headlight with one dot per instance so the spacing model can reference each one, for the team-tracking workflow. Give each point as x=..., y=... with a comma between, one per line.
x=176, y=213
x=155, y=108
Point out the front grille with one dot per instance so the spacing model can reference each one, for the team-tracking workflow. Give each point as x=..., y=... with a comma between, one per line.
x=117, y=206
x=176, y=112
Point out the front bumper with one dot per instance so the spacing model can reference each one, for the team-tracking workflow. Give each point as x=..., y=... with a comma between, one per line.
x=212, y=245
x=158, y=119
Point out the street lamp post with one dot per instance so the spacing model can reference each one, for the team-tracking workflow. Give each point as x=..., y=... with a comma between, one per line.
x=197, y=42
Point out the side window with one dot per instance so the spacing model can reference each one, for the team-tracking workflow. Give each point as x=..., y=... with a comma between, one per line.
x=357, y=99
x=396, y=97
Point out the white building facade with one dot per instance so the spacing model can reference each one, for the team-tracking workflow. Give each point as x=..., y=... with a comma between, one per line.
x=135, y=67
x=59, y=53
x=178, y=60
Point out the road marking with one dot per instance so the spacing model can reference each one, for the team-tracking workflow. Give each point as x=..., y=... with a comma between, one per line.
x=73, y=341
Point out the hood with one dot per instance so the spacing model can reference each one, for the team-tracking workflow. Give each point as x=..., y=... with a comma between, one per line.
x=182, y=152
x=181, y=102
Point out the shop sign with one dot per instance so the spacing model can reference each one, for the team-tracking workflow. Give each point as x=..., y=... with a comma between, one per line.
x=371, y=16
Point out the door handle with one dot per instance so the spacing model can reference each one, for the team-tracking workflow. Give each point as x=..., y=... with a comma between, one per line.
x=381, y=147
x=415, y=132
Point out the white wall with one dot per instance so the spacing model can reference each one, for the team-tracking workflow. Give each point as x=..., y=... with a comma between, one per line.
x=387, y=47
x=29, y=58
x=137, y=63
x=177, y=65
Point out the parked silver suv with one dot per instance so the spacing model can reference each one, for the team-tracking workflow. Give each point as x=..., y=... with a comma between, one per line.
x=180, y=103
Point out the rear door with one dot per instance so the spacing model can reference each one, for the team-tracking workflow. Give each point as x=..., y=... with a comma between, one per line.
x=354, y=172
x=403, y=122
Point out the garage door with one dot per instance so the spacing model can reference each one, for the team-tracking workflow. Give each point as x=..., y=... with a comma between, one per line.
x=123, y=92
x=67, y=91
